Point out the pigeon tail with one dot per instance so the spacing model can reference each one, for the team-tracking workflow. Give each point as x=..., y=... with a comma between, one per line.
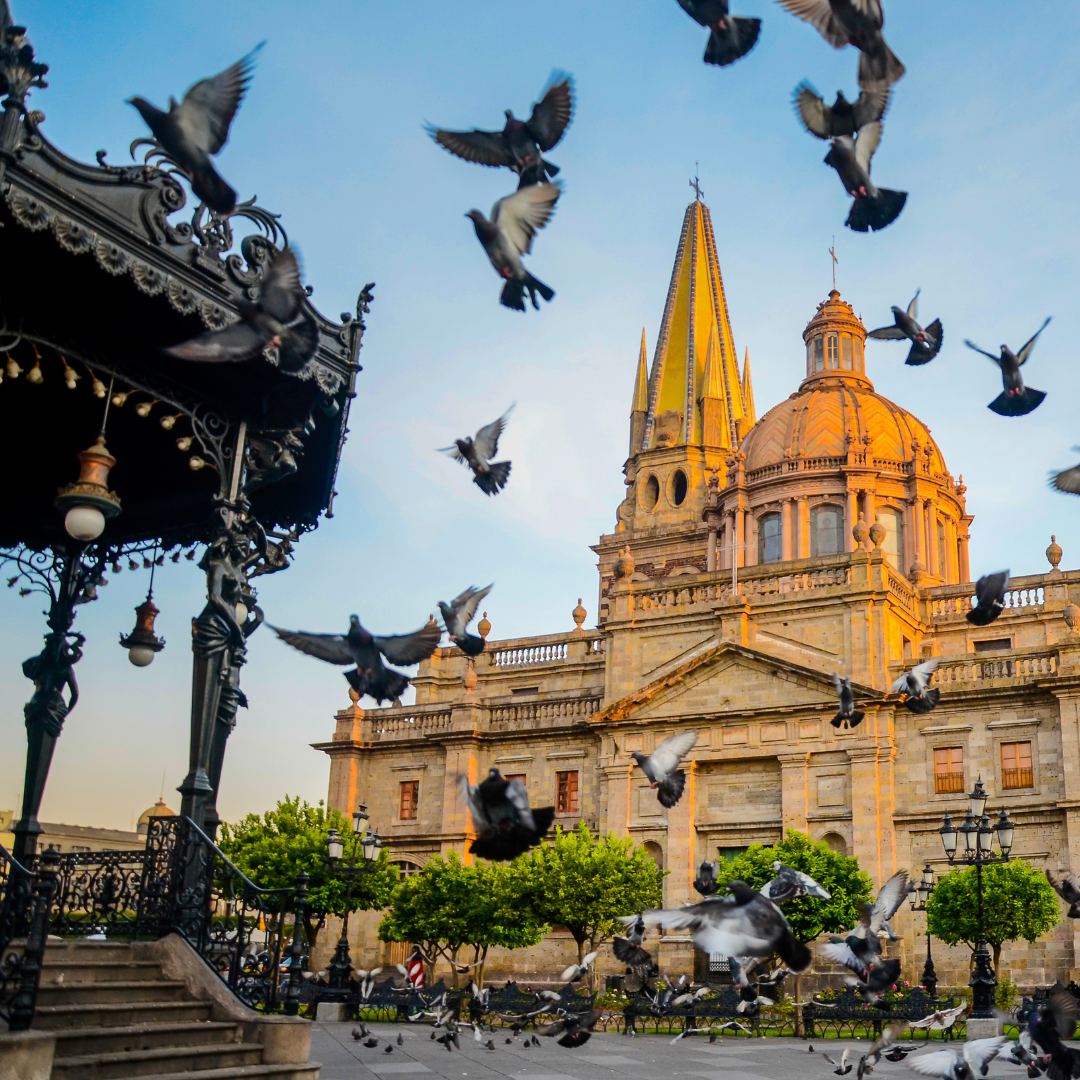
x=669, y=790
x=389, y=685
x=873, y=213
x=212, y=190
x=852, y=719
x=979, y=616
x=507, y=843
x=725, y=49
x=927, y=702
x=470, y=644
x=879, y=68
x=1028, y=400
x=919, y=354
x=795, y=955
x=491, y=483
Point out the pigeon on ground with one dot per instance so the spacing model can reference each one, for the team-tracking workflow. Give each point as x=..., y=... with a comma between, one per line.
x=707, y=882
x=506, y=826
x=198, y=127
x=400, y=1039
x=366, y=652
x=359, y=1033
x=521, y=143
x=574, y=1030
x=489, y=476
x=874, y=208
x=1016, y=399
x=730, y=37
x=790, y=883
x=277, y=320
x=371, y=1043
x=1051, y=1024
x=925, y=342
x=744, y=923
x=509, y=1042
x=921, y=697
x=458, y=614
x=848, y=716
x=841, y=1067
x=843, y=117
x=388, y=1050
x=509, y=234
x=989, y=598
x=1068, y=888
x=965, y=1065
x=874, y=1051
x=661, y=766
x=858, y=23
x=490, y=1044
x=578, y=971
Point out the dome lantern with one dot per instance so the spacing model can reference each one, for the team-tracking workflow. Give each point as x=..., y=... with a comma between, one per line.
x=835, y=342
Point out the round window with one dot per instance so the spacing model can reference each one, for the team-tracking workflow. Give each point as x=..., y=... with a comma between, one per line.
x=650, y=493
x=679, y=487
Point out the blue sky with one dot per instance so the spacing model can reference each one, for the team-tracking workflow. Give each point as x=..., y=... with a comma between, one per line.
x=980, y=132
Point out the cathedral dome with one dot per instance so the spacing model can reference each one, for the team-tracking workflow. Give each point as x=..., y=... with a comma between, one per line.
x=159, y=809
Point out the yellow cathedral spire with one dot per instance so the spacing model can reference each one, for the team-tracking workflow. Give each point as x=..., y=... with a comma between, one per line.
x=640, y=407
x=748, y=391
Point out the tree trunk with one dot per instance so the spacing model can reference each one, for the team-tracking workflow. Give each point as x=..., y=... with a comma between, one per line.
x=478, y=971
x=997, y=958
x=453, y=967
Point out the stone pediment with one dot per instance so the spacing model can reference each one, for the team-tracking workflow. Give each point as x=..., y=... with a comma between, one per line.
x=727, y=679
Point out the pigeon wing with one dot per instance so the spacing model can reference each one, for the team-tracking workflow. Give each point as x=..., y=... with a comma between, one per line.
x=887, y=333
x=1068, y=480
x=465, y=605
x=991, y=586
x=520, y=215
x=471, y=794
x=232, y=345
x=838, y=683
x=870, y=105
x=913, y=307
x=552, y=114
x=480, y=147
x=454, y=452
x=815, y=115
x=971, y=345
x=978, y=1052
x=941, y=1063
x=333, y=648
x=487, y=438
x=889, y=899
x=1064, y=1010
x=1025, y=352
x=923, y=671
x=406, y=649
x=867, y=142
x=281, y=291
x=818, y=13
x=839, y=953
x=209, y=106
x=518, y=796
x=670, y=752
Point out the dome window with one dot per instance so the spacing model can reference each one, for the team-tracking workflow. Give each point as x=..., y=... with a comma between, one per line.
x=893, y=544
x=834, y=351
x=826, y=530
x=769, y=538
x=819, y=353
x=845, y=352
x=650, y=493
x=679, y=487
x=858, y=355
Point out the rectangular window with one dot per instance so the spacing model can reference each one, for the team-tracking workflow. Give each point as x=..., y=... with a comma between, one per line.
x=948, y=770
x=845, y=351
x=770, y=538
x=942, y=552
x=819, y=353
x=858, y=355
x=834, y=351
x=410, y=797
x=1016, y=771
x=893, y=544
x=516, y=776
x=993, y=644
x=566, y=792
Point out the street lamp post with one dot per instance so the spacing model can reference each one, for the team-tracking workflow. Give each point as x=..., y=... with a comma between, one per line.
x=919, y=898
x=978, y=837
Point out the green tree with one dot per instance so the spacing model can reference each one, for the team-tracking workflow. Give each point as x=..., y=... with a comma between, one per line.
x=272, y=848
x=586, y=883
x=1018, y=903
x=448, y=906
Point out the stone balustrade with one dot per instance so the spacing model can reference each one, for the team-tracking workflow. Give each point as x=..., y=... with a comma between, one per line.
x=545, y=713
x=416, y=721
x=970, y=671
x=948, y=603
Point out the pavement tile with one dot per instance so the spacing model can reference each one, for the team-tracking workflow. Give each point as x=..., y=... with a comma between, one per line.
x=389, y=1068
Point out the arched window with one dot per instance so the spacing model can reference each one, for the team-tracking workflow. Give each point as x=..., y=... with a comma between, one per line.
x=834, y=351
x=942, y=551
x=845, y=352
x=679, y=487
x=406, y=867
x=836, y=842
x=650, y=493
x=826, y=530
x=655, y=852
x=769, y=538
x=858, y=354
x=893, y=544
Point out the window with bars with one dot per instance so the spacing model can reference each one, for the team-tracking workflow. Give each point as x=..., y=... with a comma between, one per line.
x=769, y=538
x=406, y=869
x=834, y=351
x=566, y=792
x=1016, y=770
x=409, y=800
x=948, y=770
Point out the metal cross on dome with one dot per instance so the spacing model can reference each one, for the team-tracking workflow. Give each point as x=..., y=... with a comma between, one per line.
x=695, y=185
x=832, y=254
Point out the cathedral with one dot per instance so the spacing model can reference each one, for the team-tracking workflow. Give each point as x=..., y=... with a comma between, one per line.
x=750, y=561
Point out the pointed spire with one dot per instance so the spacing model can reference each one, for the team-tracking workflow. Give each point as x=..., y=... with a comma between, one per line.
x=747, y=388
x=713, y=400
x=640, y=408
x=711, y=386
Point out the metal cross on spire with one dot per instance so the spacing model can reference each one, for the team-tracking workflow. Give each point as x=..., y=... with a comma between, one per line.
x=695, y=185
x=832, y=254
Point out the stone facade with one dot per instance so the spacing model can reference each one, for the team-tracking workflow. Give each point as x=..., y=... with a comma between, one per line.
x=716, y=617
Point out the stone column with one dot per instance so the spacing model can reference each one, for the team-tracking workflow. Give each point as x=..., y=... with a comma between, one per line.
x=804, y=527
x=932, y=564
x=618, y=778
x=681, y=852
x=871, y=820
x=789, y=527
x=962, y=557
x=731, y=553
x=793, y=793
x=869, y=506
x=851, y=515
x=740, y=537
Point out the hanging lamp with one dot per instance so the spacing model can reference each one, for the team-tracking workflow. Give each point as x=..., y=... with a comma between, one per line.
x=142, y=643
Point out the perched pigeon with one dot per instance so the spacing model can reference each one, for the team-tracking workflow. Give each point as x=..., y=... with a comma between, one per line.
x=989, y=598
x=730, y=37
x=1068, y=888
x=198, y=127
x=660, y=766
x=366, y=652
x=509, y=234
x=575, y=1030
x=707, y=882
x=388, y=1050
x=745, y=923
x=874, y=208
x=1051, y=1024
x=843, y=117
x=578, y=971
x=489, y=476
x=490, y=1044
x=921, y=697
x=790, y=883
x=848, y=716
x=371, y=1043
x=521, y=142
x=925, y=343
x=1016, y=399
x=841, y=1067
x=277, y=320
x=506, y=826
x=1068, y=480
x=853, y=22
x=965, y=1065
x=459, y=613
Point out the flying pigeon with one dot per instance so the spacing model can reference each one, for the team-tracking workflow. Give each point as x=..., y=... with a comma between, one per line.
x=575, y=1030
x=744, y=923
x=841, y=1067
x=730, y=37
x=989, y=598
x=950, y=1065
x=925, y=343
x=460, y=611
x=1016, y=399
x=1051, y=1024
x=277, y=320
x=1068, y=888
x=843, y=117
x=366, y=652
x=889, y=899
x=660, y=766
x=899, y=1051
x=366, y=980
x=874, y=1051
x=1022, y=1053
x=750, y=997
x=489, y=476
x=629, y=951
x=198, y=127
x=941, y=1020
x=874, y=208
x=848, y=716
x=578, y=971
x=707, y=882
x=790, y=883
x=509, y=234
x=506, y=826
x=853, y=22
x=1068, y=480
x=520, y=144
x=921, y=697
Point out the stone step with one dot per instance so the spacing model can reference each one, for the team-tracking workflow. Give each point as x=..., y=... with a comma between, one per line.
x=92, y=993
x=98, y=950
x=78, y=1041
x=307, y=1071
x=84, y=970
x=163, y=1059
x=119, y=1014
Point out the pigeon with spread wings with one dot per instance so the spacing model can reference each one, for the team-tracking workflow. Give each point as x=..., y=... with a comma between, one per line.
x=730, y=36
x=489, y=476
x=1066, y=885
x=1051, y=1024
x=458, y=614
x=521, y=143
x=790, y=884
x=921, y=696
x=925, y=341
x=874, y=208
x=506, y=826
x=989, y=598
x=843, y=117
x=573, y=1030
x=1015, y=399
x=847, y=716
x=969, y=1063
x=1068, y=480
x=366, y=651
x=661, y=766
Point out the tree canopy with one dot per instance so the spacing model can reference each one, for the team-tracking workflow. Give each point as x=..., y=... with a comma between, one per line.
x=1018, y=904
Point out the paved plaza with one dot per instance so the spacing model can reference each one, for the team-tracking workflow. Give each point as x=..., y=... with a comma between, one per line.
x=607, y=1056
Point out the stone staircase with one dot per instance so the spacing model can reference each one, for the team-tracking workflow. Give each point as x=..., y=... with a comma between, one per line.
x=116, y=1014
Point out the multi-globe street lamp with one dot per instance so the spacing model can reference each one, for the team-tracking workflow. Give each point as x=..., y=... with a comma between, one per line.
x=920, y=896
